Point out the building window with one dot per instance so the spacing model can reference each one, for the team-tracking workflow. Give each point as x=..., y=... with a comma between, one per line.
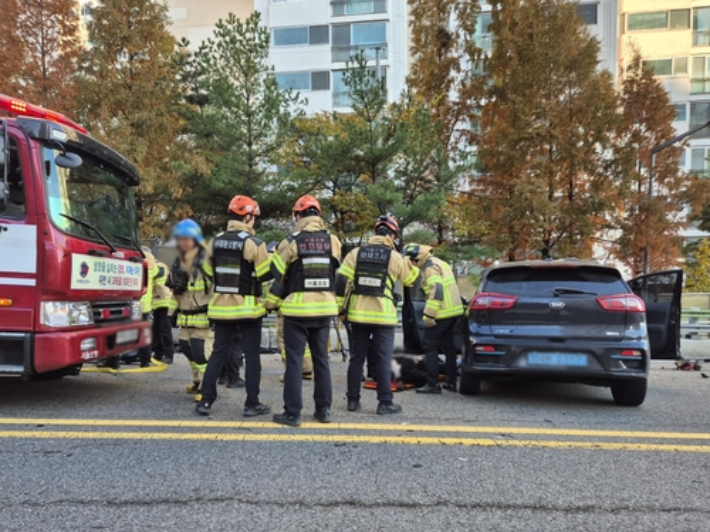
x=301, y=35
x=341, y=92
x=680, y=19
x=681, y=112
x=303, y=81
x=660, y=67
x=701, y=26
x=358, y=7
x=349, y=39
x=297, y=81
x=700, y=114
x=675, y=66
x=657, y=20
x=699, y=161
x=483, y=36
x=588, y=12
x=700, y=78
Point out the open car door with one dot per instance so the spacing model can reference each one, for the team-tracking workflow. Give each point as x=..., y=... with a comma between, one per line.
x=661, y=292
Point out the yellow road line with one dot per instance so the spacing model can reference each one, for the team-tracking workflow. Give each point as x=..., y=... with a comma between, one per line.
x=331, y=438
x=462, y=429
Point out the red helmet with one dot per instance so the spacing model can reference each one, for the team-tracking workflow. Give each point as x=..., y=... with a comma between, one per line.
x=243, y=205
x=389, y=221
x=305, y=203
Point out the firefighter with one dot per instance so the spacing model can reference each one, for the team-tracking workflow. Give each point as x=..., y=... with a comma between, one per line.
x=304, y=267
x=239, y=263
x=365, y=288
x=442, y=310
x=192, y=291
x=144, y=354
x=163, y=302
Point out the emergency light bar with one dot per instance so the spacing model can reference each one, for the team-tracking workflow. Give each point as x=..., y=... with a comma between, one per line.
x=21, y=108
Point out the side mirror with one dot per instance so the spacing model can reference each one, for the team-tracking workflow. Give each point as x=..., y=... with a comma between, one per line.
x=68, y=160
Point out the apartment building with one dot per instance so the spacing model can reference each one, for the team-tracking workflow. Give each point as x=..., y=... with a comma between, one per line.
x=312, y=40
x=195, y=20
x=674, y=38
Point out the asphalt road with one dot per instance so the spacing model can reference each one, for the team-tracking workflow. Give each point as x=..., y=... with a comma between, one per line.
x=127, y=453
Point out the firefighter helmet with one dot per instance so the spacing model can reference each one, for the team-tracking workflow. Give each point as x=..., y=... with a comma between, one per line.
x=243, y=205
x=188, y=228
x=387, y=222
x=306, y=203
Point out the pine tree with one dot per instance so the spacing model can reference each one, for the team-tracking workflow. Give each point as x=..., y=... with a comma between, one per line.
x=39, y=50
x=546, y=130
x=130, y=98
x=237, y=115
x=649, y=225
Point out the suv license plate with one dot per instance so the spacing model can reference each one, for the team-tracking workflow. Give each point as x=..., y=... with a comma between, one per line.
x=125, y=337
x=557, y=359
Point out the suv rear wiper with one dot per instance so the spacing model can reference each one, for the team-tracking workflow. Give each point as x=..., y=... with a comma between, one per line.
x=93, y=228
x=132, y=242
x=565, y=290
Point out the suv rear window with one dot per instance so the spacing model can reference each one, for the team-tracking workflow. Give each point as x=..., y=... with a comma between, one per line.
x=542, y=281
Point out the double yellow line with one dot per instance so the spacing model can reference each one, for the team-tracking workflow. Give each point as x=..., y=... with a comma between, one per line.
x=374, y=433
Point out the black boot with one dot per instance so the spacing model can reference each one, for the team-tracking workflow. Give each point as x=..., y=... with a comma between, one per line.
x=353, y=406
x=384, y=409
x=323, y=415
x=285, y=419
x=256, y=410
x=237, y=383
x=203, y=408
x=429, y=389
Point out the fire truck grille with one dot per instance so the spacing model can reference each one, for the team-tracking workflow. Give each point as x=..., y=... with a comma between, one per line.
x=111, y=312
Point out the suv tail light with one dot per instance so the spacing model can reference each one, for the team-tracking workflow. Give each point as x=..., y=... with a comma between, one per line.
x=622, y=303
x=491, y=301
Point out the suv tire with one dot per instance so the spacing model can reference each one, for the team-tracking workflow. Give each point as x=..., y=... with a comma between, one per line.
x=470, y=383
x=629, y=393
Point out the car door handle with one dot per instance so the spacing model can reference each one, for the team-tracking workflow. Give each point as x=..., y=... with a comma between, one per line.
x=3, y=228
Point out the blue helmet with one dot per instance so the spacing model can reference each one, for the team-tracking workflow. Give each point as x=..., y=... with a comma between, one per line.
x=188, y=228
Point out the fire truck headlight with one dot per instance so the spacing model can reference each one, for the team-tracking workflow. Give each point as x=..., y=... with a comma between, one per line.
x=66, y=314
x=136, y=311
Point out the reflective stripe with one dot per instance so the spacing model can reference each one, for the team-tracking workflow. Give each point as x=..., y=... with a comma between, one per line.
x=227, y=289
x=347, y=272
x=278, y=263
x=316, y=260
x=309, y=309
x=225, y=269
x=263, y=268
x=198, y=321
x=412, y=277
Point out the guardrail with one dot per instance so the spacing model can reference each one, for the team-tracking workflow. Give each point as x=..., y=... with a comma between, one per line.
x=695, y=322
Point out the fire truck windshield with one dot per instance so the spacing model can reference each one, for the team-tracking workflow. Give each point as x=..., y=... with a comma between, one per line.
x=92, y=193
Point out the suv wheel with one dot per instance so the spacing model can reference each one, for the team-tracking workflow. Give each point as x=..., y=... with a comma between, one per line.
x=470, y=383
x=629, y=393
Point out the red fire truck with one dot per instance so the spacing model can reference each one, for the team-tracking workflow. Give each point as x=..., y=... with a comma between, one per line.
x=71, y=268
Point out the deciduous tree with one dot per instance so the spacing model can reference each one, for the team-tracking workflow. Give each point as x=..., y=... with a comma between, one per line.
x=546, y=131
x=648, y=225
x=130, y=98
x=697, y=269
x=39, y=51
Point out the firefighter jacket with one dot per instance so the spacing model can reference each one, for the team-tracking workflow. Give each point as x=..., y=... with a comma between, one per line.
x=443, y=299
x=365, y=282
x=303, y=268
x=162, y=295
x=238, y=263
x=151, y=271
x=192, y=288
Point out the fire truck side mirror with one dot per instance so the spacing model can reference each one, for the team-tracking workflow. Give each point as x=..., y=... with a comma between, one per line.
x=68, y=160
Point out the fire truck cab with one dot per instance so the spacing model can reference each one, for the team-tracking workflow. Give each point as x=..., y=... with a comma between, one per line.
x=71, y=268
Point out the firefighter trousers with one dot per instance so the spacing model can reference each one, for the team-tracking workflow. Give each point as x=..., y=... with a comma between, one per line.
x=196, y=345
x=441, y=335
x=297, y=333
x=162, y=335
x=225, y=335
x=307, y=360
x=371, y=341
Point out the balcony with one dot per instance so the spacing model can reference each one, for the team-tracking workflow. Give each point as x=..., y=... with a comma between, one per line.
x=342, y=54
x=701, y=38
